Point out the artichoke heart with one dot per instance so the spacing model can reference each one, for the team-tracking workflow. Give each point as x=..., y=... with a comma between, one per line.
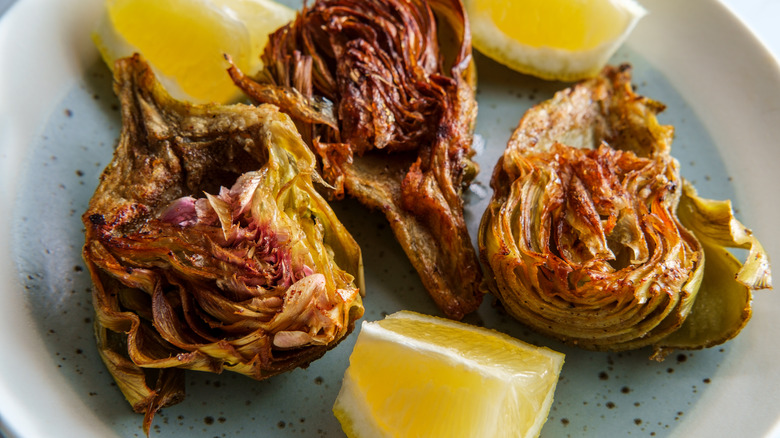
x=593, y=237
x=209, y=247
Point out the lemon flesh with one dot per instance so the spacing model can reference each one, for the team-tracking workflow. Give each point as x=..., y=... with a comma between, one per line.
x=185, y=40
x=553, y=39
x=412, y=375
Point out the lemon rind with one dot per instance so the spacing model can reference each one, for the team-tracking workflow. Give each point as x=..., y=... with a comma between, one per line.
x=273, y=13
x=410, y=315
x=112, y=45
x=350, y=407
x=556, y=358
x=548, y=63
x=351, y=410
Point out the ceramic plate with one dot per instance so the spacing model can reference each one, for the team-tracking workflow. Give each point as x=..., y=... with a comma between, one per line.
x=59, y=122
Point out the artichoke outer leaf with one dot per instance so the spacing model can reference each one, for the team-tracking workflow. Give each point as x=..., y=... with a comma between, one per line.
x=713, y=221
x=723, y=306
x=721, y=310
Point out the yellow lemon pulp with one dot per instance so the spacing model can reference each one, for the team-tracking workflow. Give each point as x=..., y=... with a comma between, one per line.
x=412, y=375
x=553, y=39
x=185, y=40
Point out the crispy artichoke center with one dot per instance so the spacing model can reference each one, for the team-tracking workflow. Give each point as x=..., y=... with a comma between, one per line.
x=596, y=222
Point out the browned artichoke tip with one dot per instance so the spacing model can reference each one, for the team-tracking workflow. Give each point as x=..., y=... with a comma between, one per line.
x=209, y=247
x=593, y=238
x=389, y=111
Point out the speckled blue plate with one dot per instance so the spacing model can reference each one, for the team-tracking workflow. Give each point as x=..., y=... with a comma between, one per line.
x=59, y=122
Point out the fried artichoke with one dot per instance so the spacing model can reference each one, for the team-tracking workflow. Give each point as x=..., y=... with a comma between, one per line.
x=593, y=237
x=389, y=112
x=258, y=278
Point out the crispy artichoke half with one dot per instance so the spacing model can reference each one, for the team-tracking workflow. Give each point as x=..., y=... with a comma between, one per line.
x=592, y=236
x=389, y=112
x=258, y=279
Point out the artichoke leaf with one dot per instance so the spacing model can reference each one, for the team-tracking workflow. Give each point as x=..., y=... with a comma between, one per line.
x=723, y=307
x=713, y=221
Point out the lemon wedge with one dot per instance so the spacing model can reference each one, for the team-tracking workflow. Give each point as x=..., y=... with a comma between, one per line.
x=412, y=375
x=553, y=39
x=185, y=40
